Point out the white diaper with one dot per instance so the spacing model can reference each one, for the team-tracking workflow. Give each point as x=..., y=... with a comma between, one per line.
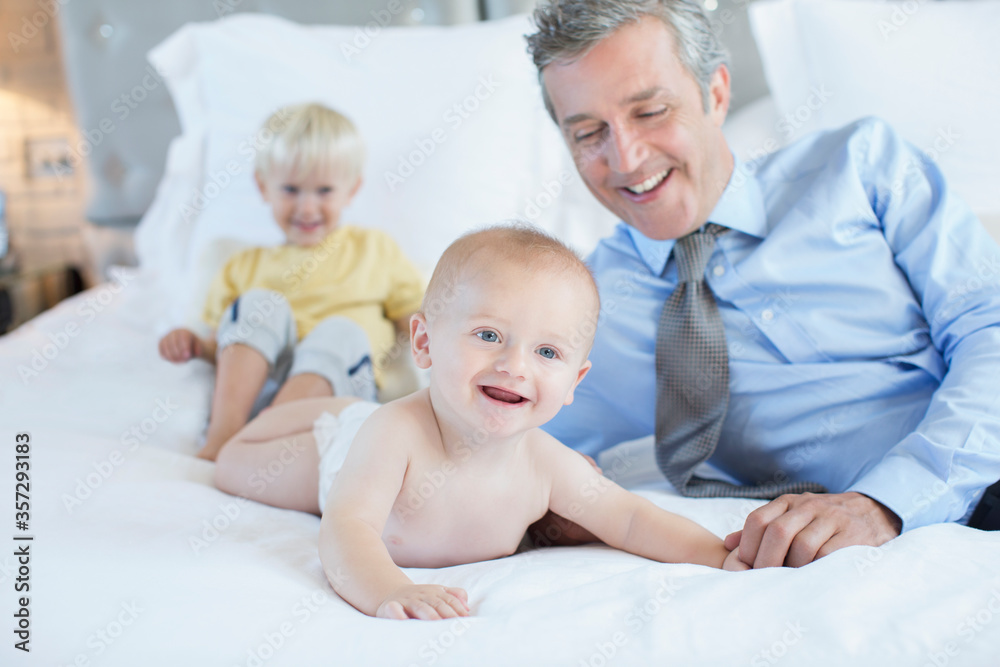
x=334, y=435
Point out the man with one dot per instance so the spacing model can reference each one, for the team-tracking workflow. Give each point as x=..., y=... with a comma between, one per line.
x=856, y=294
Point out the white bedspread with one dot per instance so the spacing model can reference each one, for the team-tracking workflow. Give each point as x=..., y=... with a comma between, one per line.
x=139, y=560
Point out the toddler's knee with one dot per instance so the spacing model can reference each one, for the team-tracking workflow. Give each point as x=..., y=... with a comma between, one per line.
x=337, y=349
x=261, y=319
x=256, y=306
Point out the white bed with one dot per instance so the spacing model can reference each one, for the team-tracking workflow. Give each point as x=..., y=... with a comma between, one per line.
x=138, y=559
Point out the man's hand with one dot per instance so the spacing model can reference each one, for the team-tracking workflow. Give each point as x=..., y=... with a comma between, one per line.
x=795, y=530
x=180, y=345
x=427, y=602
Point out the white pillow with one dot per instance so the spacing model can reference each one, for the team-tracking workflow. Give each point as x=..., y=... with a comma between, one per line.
x=163, y=237
x=452, y=117
x=752, y=130
x=931, y=69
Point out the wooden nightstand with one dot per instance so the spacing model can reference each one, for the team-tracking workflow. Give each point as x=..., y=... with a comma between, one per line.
x=27, y=292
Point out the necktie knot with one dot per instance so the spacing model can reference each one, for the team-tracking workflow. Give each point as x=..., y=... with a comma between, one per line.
x=692, y=253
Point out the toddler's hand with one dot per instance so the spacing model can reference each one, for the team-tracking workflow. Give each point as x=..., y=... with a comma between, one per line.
x=733, y=562
x=427, y=602
x=180, y=345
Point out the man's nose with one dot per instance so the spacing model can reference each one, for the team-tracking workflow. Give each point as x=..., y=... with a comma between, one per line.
x=625, y=150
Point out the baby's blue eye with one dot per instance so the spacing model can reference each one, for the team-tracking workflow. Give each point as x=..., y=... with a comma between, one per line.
x=290, y=189
x=547, y=352
x=489, y=336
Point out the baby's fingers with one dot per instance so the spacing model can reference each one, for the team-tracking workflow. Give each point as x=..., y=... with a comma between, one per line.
x=462, y=600
x=733, y=539
x=459, y=593
x=392, y=610
x=733, y=562
x=448, y=606
x=423, y=611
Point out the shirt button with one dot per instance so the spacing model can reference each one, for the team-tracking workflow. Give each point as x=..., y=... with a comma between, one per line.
x=719, y=269
x=767, y=315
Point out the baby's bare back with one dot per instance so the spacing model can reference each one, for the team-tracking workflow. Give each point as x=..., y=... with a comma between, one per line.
x=467, y=501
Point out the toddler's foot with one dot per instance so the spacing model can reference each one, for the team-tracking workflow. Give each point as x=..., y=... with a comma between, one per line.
x=217, y=436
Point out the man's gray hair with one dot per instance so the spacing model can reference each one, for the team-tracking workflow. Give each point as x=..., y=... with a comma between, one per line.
x=568, y=29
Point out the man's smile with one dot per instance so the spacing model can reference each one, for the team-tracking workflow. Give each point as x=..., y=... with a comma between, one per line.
x=647, y=189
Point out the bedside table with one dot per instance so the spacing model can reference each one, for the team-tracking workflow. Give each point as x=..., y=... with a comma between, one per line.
x=26, y=292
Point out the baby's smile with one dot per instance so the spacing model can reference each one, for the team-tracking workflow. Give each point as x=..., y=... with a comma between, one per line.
x=502, y=395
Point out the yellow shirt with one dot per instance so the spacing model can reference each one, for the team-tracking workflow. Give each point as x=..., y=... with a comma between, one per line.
x=354, y=272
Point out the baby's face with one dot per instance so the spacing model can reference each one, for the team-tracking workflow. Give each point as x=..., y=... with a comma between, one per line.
x=511, y=347
x=307, y=205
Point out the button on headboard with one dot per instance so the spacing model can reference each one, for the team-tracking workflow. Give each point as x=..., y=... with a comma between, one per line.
x=124, y=113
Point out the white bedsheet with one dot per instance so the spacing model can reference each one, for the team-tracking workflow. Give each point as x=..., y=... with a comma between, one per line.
x=139, y=560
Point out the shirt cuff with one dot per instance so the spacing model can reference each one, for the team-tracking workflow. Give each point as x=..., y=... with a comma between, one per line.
x=917, y=495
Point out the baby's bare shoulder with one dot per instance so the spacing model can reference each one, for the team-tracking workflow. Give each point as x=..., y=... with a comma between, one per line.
x=548, y=452
x=404, y=422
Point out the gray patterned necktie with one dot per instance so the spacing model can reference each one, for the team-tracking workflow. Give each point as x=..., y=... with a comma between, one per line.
x=692, y=379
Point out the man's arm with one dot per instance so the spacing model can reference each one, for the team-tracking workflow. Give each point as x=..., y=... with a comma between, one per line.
x=935, y=472
x=622, y=519
x=355, y=559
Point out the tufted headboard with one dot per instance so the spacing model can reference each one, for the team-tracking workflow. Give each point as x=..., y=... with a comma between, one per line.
x=123, y=110
x=127, y=120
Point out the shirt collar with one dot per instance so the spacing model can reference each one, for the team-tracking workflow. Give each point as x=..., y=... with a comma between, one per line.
x=741, y=207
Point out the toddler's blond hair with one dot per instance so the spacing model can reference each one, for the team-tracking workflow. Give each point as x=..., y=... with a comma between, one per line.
x=308, y=136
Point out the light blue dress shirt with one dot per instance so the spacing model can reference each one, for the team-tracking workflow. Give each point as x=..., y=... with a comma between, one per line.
x=861, y=301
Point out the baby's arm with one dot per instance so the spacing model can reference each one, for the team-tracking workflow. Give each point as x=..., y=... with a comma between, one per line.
x=182, y=345
x=355, y=559
x=624, y=520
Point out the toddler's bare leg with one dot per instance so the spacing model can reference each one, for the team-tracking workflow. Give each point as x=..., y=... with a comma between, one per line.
x=303, y=385
x=240, y=375
x=273, y=459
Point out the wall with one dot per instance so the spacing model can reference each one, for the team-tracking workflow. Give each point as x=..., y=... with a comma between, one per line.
x=45, y=204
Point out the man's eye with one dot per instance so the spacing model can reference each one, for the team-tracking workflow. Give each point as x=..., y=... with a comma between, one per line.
x=548, y=353
x=590, y=132
x=650, y=114
x=489, y=336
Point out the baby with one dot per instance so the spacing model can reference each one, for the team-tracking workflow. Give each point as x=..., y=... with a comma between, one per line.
x=310, y=313
x=455, y=473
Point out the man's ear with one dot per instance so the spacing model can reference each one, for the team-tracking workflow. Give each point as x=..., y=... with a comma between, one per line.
x=579, y=378
x=719, y=95
x=420, y=344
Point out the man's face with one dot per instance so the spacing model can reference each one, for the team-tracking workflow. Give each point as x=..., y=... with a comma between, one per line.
x=634, y=120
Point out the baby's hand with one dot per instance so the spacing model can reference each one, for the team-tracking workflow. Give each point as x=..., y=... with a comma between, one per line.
x=427, y=602
x=733, y=562
x=180, y=345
